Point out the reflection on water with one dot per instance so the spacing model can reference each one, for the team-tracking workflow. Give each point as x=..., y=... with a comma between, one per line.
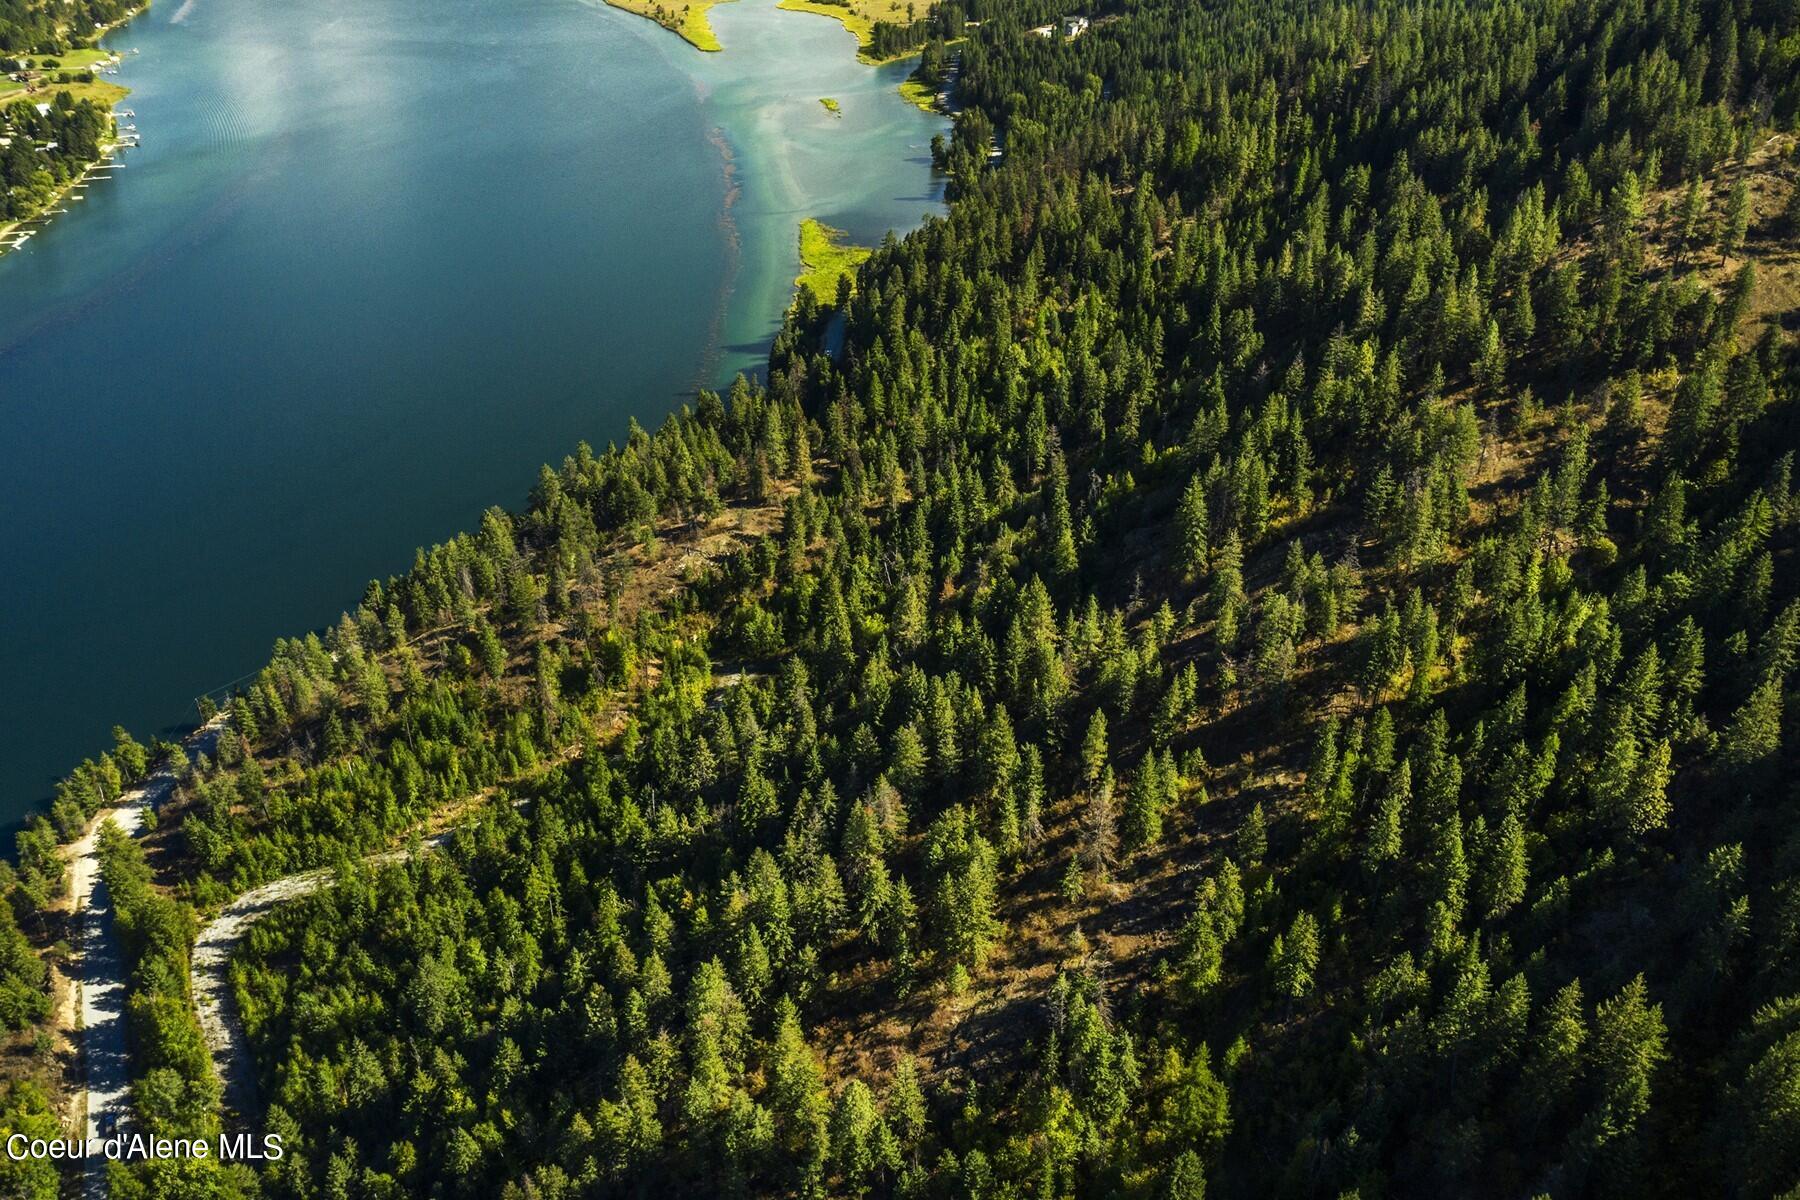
x=372, y=265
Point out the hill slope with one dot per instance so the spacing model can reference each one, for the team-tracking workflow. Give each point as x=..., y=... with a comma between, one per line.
x=1262, y=667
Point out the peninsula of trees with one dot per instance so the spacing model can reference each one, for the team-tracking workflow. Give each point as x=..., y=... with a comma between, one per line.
x=1261, y=663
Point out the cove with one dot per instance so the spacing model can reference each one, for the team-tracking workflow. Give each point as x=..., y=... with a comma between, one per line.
x=369, y=268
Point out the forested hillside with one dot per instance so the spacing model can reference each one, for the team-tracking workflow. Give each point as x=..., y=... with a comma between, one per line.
x=1262, y=667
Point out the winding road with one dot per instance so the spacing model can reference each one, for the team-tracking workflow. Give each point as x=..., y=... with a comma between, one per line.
x=210, y=973
x=98, y=972
x=98, y=968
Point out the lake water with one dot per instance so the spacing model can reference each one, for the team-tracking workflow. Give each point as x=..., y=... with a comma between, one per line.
x=369, y=268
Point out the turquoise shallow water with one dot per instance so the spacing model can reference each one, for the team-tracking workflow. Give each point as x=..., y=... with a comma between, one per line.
x=369, y=268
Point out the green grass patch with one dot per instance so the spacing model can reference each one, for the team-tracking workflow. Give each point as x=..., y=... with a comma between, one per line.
x=859, y=17
x=858, y=24
x=74, y=60
x=104, y=94
x=825, y=258
x=920, y=94
x=686, y=18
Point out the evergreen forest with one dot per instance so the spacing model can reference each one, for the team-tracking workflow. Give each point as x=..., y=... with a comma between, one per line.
x=1260, y=663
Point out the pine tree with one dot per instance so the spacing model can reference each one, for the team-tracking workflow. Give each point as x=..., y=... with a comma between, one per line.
x=1490, y=366
x=1630, y=1042
x=1253, y=836
x=1294, y=957
x=1685, y=678
x=1144, y=804
x=1059, y=527
x=796, y=1097
x=1185, y=1179
x=1191, y=528
x=854, y=1138
x=1692, y=215
x=1093, y=749
x=1737, y=220
x=960, y=864
x=1382, y=838
x=23, y=997
x=1553, y=1065
x=1768, y=1119
x=1226, y=593
x=1503, y=869
x=1754, y=735
x=1030, y=792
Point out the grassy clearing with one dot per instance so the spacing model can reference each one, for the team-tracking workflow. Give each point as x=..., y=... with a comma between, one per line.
x=825, y=258
x=686, y=19
x=74, y=60
x=919, y=94
x=859, y=17
x=1770, y=178
x=857, y=23
x=100, y=92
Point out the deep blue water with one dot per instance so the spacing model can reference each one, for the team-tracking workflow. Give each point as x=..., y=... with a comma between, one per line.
x=369, y=268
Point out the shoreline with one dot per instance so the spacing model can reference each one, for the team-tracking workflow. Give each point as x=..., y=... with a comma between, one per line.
x=826, y=255
x=734, y=255
x=44, y=218
x=858, y=25
x=689, y=24
x=108, y=149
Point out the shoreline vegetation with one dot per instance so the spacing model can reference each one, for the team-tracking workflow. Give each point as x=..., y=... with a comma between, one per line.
x=825, y=260
x=920, y=93
x=863, y=18
x=832, y=106
x=12, y=234
x=1192, y=669
x=687, y=22
x=860, y=24
x=886, y=31
x=929, y=85
x=53, y=89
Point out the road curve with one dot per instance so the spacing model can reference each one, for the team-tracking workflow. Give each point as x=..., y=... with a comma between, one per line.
x=210, y=973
